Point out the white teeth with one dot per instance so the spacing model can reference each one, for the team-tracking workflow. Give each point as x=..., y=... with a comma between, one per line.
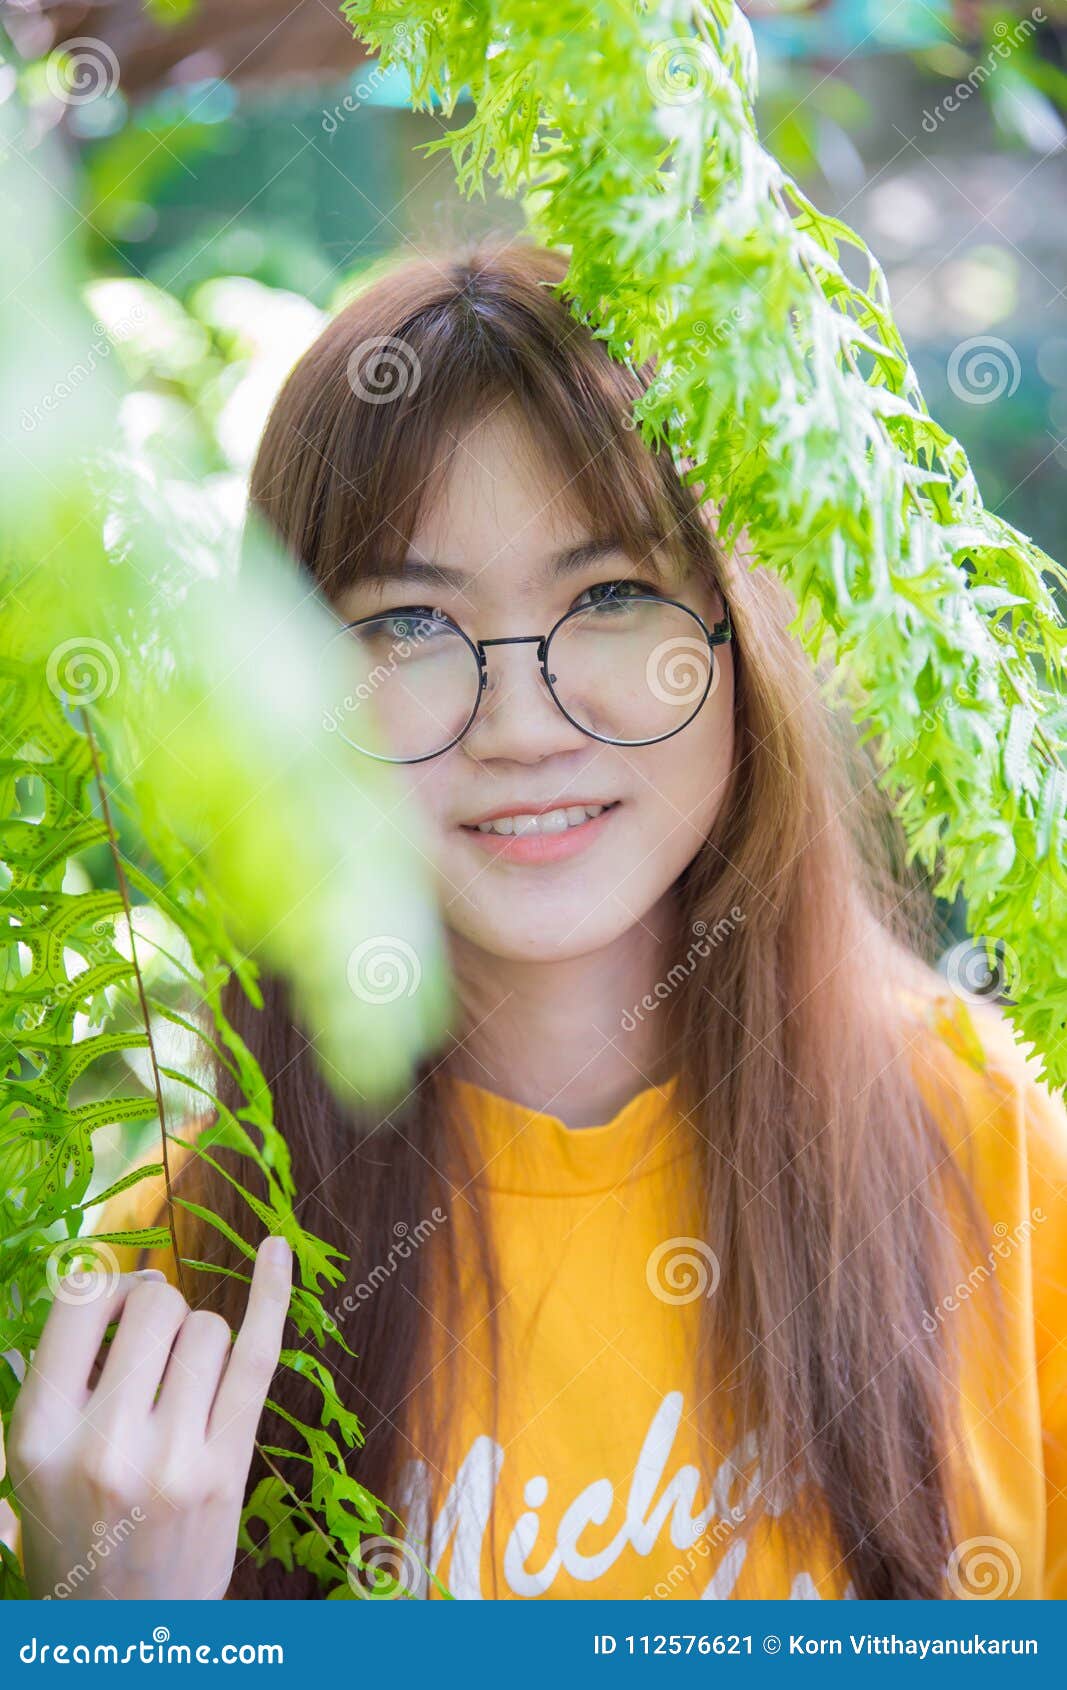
x=553, y=822
x=550, y=821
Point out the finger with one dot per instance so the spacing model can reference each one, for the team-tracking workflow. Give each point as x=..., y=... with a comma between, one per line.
x=150, y=1320
x=71, y=1337
x=193, y=1372
x=254, y=1355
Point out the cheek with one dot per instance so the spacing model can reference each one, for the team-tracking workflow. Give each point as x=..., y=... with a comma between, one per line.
x=675, y=791
x=426, y=790
x=687, y=774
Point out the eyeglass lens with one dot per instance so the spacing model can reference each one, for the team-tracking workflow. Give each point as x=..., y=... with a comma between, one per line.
x=627, y=670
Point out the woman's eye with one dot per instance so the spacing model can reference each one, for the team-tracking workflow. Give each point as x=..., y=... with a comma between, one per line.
x=412, y=621
x=409, y=626
x=607, y=593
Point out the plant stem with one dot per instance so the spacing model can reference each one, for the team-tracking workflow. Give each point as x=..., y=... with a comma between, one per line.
x=299, y=1508
x=120, y=877
x=124, y=893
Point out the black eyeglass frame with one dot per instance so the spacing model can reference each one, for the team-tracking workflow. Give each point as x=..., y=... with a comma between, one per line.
x=717, y=635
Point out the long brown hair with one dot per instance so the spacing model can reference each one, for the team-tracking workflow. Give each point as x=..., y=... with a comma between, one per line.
x=827, y=1169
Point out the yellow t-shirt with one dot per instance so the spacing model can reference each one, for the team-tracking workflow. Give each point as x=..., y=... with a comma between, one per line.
x=596, y=1481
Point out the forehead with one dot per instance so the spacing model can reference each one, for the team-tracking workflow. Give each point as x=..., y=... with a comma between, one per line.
x=494, y=479
x=501, y=510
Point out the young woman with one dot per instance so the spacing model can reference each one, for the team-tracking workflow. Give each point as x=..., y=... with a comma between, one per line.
x=734, y=1252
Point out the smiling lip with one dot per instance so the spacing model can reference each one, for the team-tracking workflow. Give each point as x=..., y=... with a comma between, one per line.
x=534, y=848
x=537, y=809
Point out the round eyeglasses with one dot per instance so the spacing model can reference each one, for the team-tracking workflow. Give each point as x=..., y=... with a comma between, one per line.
x=631, y=669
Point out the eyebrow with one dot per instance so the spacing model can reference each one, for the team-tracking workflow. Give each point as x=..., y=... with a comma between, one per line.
x=571, y=561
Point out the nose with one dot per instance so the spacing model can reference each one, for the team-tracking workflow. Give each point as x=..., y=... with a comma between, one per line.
x=518, y=719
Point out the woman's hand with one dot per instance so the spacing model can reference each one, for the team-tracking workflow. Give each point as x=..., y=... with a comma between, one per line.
x=123, y=1495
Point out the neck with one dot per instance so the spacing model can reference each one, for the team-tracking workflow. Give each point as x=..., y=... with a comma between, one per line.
x=560, y=1037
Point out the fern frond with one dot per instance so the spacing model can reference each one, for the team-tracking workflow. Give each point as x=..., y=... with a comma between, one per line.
x=785, y=393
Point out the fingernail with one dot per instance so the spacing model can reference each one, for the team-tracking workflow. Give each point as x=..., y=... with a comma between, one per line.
x=149, y=1273
x=276, y=1249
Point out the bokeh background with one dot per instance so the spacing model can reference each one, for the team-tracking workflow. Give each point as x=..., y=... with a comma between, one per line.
x=235, y=164
x=232, y=167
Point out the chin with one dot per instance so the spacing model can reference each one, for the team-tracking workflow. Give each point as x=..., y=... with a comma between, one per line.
x=538, y=935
